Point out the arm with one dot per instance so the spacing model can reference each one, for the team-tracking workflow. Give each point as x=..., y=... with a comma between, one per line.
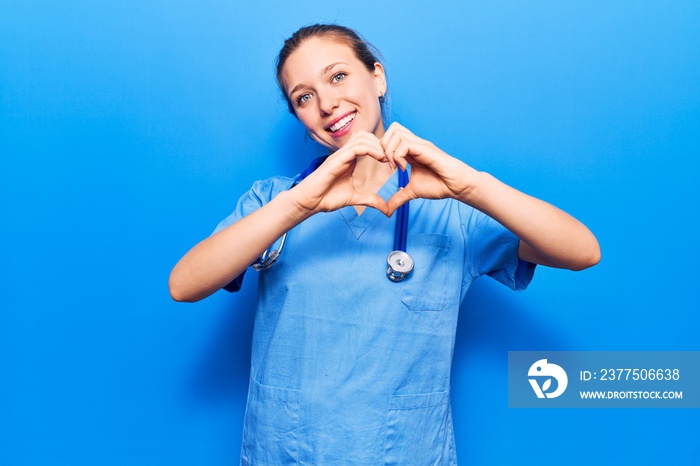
x=548, y=235
x=220, y=258
x=217, y=260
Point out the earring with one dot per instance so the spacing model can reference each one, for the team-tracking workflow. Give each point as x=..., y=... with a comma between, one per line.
x=382, y=99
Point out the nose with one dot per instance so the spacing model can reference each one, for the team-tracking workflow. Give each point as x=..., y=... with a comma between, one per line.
x=327, y=102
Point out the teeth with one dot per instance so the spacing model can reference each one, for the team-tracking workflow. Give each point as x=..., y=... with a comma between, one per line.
x=342, y=123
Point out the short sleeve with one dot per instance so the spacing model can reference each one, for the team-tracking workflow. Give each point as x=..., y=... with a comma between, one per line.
x=258, y=195
x=491, y=249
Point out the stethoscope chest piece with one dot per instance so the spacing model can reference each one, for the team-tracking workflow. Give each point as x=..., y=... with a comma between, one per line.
x=400, y=265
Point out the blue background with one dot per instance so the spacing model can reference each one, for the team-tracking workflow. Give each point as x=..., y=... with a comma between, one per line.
x=128, y=129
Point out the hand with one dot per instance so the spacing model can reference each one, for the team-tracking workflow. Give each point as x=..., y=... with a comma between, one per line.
x=434, y=174
x=331, y=187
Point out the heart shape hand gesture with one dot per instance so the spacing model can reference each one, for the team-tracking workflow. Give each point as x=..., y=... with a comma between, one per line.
x=434, y=174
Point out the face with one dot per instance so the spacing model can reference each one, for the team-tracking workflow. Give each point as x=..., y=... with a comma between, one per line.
x=332, y=92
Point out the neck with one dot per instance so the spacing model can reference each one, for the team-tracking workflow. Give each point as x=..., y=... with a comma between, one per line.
x=370, y=175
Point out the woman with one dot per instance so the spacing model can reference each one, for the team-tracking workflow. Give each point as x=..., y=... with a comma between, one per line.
x=347, y=366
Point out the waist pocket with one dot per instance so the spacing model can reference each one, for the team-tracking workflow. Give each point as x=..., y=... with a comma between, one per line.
x=419, y=430
x=426, y=288
x=270, y=428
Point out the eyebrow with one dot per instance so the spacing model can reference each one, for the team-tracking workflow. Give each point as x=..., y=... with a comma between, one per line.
x=323, y=71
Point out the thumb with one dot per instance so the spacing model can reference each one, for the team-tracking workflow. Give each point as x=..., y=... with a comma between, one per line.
x=373, y=200
x=399, y=198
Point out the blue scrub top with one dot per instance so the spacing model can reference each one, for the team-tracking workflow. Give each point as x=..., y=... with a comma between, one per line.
x=351, y=368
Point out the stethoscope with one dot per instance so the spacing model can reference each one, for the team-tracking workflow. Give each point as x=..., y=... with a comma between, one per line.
x=399, y=262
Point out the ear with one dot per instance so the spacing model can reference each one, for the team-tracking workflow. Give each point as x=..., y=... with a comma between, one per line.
x=380, y=79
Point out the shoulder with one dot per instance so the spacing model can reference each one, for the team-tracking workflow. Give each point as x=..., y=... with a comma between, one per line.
x=266, y=189
x=257, y=196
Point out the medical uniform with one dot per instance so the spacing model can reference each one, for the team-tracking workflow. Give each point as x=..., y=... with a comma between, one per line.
x=349, y=368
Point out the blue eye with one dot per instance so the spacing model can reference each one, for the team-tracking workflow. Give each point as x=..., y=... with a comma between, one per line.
x=338, y=77
x=302, y=99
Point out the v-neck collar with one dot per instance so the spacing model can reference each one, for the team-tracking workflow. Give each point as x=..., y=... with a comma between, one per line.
x=358, y=224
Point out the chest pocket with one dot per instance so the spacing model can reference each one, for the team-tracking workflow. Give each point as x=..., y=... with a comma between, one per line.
x=427, y=287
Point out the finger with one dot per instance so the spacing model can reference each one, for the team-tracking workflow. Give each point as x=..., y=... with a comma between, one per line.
x=393, y=128
x=389, y=141
x=374, y=151
x=399, y=198
x=368, y=141
x=400, y=144
x=399, y=132
x=359, y=148
x=390, y=134
x=400, y=153
x=389, y=146
x=365, y=137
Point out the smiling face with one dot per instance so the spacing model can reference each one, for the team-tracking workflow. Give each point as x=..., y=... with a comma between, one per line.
x=332, y=92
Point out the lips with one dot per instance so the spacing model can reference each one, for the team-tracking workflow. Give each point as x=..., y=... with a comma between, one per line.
x=341, y=123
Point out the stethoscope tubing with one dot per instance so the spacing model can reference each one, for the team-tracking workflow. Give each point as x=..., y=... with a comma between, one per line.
x=401, y=228
x=399, y=261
